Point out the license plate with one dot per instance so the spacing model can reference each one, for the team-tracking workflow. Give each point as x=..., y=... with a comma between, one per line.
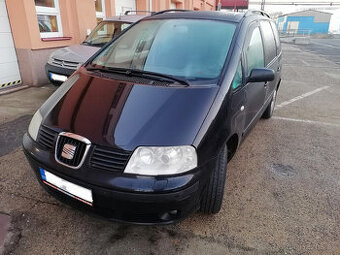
x=58, y=77
x=73, y=190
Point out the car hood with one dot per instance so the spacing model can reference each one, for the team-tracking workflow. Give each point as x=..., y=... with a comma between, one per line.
x=76, y=53
x=127, y=115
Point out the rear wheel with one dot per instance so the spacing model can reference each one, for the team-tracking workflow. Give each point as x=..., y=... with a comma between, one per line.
x=212, y=197
x=268, y=113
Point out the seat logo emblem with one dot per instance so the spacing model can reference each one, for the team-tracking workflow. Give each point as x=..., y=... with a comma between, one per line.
x=68, y=151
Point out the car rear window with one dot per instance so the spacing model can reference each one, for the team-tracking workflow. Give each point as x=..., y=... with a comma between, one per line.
x=188, y=48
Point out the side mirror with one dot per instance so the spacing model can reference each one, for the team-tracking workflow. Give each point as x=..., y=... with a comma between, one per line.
x=261, y=75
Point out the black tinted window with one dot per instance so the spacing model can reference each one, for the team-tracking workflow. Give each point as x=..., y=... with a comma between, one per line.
x=269, y=42
x=277, y=37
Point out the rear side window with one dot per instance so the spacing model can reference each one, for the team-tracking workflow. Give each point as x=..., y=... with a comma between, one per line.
x=254, y=54
x=277, y=37
x=269, y=42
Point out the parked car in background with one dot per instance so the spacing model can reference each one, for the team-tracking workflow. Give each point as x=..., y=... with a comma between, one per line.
x=64, y=62
x=143, y=132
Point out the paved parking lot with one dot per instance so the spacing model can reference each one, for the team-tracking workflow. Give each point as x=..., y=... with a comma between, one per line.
x=282, y=194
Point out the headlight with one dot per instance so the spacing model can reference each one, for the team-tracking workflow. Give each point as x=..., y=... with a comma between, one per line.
x=34, y=126
x=162, y=160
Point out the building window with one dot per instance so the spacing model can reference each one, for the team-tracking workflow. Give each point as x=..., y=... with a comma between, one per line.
x=100, y=10
x=48, y=15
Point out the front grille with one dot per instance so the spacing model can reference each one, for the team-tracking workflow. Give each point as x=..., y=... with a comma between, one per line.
x=77, y=155
x=47, y=137
x=64, y=63
x=109, y=159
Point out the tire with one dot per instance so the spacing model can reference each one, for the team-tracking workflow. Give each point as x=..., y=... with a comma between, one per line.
x=268, y=113
x=212, y=197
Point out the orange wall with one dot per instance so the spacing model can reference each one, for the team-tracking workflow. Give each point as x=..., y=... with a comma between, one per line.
x=77, y=16
x=110, y=9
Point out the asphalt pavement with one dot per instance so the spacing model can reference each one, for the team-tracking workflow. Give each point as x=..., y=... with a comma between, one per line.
x=282, y=192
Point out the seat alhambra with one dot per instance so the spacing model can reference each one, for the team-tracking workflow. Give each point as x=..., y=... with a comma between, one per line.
x=143, y=131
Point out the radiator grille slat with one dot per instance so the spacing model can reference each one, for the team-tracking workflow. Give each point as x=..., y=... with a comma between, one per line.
x=109, y=159
x=65, y=63
x=47, y=137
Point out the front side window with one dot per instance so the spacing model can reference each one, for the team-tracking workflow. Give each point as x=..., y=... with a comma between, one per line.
x=237, y=81
x=254, y=53
x=104, y=32
x=100, y=10
x=48, y=16
x=191, y=49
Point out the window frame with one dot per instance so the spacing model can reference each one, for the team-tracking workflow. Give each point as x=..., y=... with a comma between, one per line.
x=100, y=15
x=50, y=11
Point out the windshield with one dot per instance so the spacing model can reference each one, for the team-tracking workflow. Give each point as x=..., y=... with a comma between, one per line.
x=187, y=48
x=104, y=32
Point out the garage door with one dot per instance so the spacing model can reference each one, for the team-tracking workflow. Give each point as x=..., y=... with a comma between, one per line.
x=125, y=5
x=9, y=69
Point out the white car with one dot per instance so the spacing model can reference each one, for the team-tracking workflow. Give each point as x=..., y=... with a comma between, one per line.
x=65, y=61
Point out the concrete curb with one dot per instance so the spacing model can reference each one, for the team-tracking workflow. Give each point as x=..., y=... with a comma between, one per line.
x=11, y=90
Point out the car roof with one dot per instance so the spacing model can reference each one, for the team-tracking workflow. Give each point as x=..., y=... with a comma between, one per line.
x=126, y=18
x=212, y=15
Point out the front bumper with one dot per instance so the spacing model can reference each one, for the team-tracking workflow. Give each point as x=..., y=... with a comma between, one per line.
x=167, y=200
x=57, y=70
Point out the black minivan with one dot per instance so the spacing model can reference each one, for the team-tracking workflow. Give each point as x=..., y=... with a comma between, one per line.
x=143, y=131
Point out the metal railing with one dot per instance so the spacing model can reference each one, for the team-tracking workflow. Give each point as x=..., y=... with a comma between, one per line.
x=296, y=33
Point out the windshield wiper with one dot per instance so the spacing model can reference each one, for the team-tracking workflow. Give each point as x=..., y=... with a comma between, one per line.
x=158, y=75
x=140, y=73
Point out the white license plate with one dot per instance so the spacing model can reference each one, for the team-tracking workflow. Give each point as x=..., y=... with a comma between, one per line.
x=58, y=77
x=73, y=190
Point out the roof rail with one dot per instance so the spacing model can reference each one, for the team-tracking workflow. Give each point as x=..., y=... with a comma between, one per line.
x=250, y=12
x=129, y=11
x=170, y=10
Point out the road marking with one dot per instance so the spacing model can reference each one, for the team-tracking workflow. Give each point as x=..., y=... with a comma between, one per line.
x=306, y=63
x=327, y=45
x=307, y=121
x=301, y=97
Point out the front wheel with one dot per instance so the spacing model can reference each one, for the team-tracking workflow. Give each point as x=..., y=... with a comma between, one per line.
x=268, y=113
x=212, y=197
